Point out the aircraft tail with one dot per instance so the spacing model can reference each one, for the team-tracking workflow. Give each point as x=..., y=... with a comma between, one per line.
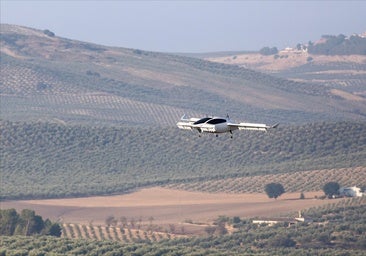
x=184, y=118
x=275, y=125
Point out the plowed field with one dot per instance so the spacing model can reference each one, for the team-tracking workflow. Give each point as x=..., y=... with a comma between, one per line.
x=165, y=206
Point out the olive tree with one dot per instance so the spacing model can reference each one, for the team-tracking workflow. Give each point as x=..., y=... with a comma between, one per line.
x=331, y=189
x=274, y=190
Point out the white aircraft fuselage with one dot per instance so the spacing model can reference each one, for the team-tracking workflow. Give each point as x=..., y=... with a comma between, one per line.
x=219, y=125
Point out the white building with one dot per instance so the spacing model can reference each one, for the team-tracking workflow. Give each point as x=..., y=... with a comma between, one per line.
x=289, y=221
x=350, y=191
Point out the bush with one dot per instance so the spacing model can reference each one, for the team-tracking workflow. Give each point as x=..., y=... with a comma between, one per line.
x=282, y=241
x=268, y=51
x=302, y=196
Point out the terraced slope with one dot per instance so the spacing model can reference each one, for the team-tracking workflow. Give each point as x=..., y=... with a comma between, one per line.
x=48, y=78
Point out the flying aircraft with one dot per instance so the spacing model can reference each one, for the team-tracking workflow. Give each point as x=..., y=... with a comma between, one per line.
x=218, y=125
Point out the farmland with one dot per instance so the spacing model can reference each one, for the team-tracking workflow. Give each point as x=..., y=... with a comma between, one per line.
x=343, y=234
x=293, y=182
x=53, y=160
x=88, y=139
x=54, y=79
x=166, y=206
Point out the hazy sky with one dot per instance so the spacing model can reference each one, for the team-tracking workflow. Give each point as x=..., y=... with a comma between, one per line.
x=190, y=26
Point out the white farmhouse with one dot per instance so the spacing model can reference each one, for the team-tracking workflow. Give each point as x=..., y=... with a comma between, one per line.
x=290, y=221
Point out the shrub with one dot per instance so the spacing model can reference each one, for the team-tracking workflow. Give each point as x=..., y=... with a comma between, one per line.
x=48, y=33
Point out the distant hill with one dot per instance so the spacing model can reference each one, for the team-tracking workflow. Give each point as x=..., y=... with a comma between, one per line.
x=48, y=78
x=338, y=63
x=339, y=45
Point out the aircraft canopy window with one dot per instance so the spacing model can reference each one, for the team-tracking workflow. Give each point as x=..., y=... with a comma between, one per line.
x=202, y=120
x=216, y=121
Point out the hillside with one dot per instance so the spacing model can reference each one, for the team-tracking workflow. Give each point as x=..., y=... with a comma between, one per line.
x=344, y=73
x=53, y=79
x=40, y=160
x=337, y=63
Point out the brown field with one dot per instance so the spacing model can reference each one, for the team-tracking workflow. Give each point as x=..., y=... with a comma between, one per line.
x=167, y=206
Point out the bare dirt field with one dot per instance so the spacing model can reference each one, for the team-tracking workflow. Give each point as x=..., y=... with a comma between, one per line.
x=166, y=206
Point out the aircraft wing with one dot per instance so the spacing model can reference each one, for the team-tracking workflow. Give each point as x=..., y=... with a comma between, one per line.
x=185, y=125
x=252, y=126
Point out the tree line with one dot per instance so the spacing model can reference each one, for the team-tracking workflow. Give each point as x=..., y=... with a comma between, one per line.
x=339, y=45
x=330, y=45
x=26, y=223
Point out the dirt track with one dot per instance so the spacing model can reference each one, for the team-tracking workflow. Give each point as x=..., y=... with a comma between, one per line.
x=165, y=206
